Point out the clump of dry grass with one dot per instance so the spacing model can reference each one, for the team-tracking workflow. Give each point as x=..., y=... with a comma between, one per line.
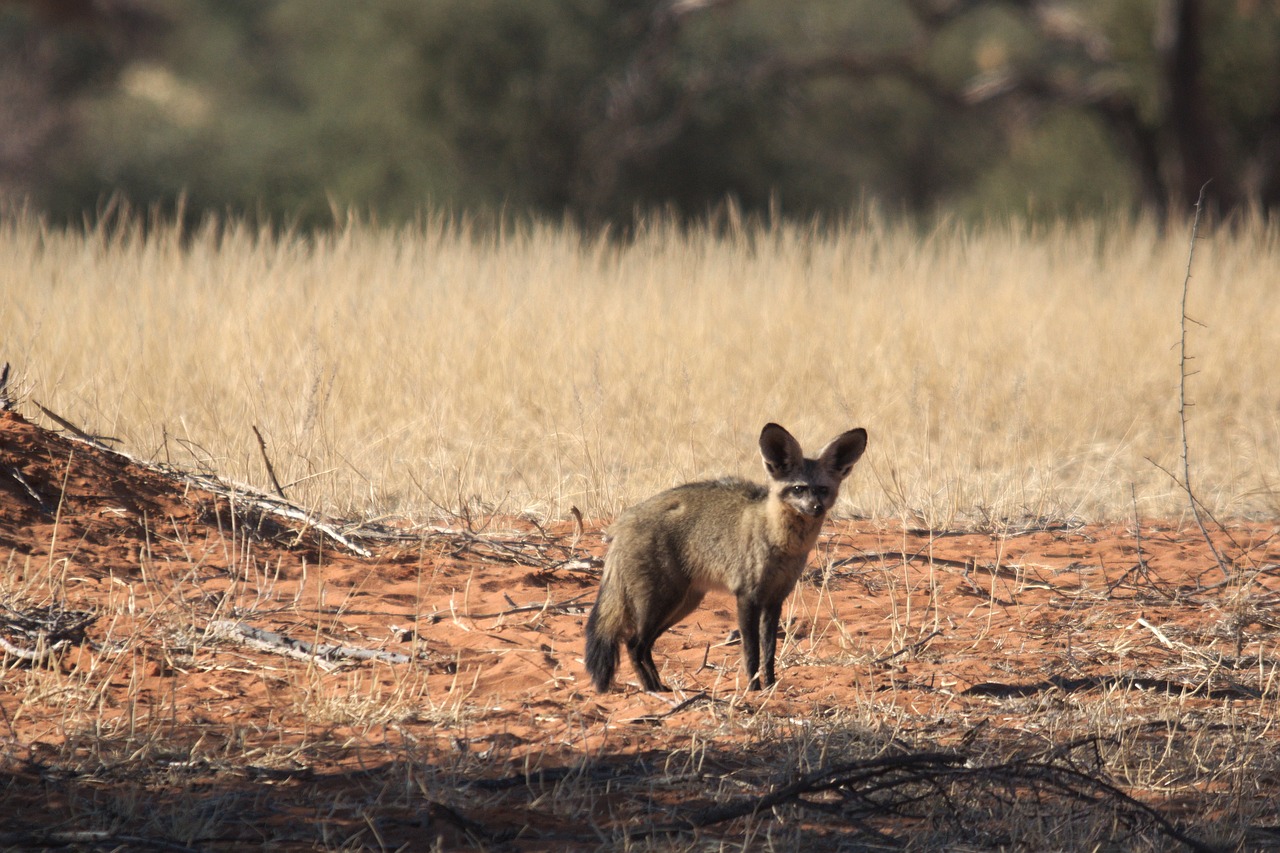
x=1004, y=372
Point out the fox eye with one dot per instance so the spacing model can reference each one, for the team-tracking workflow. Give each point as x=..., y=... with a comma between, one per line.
x=821, y=491
x=798, y=490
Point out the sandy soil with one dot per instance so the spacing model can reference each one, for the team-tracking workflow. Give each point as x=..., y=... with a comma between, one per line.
x=153, y=727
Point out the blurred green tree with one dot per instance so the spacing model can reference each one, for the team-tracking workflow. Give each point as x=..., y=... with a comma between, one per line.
x=601, y=109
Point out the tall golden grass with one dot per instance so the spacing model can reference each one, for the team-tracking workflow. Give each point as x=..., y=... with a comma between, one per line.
x=1004, y=373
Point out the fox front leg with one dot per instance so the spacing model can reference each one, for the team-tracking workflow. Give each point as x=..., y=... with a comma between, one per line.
x=770, y=618
x=749, y=620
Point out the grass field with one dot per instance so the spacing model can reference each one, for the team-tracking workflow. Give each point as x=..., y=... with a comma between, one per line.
x=1003, y=373
x=970, y=667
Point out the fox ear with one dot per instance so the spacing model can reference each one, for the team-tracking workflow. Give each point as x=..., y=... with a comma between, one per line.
x=840, y=455
x=780, y=451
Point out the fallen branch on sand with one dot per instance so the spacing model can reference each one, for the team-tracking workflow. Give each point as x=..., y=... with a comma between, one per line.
x=323, y=654
x=38, y=632
x=240, y=496
x=280, y=509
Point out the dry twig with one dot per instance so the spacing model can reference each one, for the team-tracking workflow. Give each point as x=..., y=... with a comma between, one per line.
x=1183, y=405
x=324, y=654
x=38, y=632
x=271, y=470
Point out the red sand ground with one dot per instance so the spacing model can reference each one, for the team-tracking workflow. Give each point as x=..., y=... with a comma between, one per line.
x=156, y=734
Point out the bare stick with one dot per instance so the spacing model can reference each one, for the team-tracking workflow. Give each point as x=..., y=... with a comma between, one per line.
x=271, y=471
x=38, y=654
x=916, y=646
x=22, y=481
x=565, y=606
x=1183, y=405
x=323, y=654
x=95, y=440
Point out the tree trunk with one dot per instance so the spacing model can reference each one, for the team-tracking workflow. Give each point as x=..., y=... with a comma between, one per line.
x=1197, y=142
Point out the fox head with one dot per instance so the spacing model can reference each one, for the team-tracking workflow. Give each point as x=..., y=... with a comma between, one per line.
x=809, y=486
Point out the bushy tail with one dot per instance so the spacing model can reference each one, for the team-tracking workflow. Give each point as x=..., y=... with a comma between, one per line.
x=603, y=629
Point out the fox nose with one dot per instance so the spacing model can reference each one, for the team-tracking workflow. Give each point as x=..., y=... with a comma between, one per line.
x=816, y=508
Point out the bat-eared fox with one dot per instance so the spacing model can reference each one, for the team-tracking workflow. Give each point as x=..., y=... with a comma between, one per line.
x=669, y=551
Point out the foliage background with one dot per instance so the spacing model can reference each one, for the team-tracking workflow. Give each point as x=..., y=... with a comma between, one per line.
x=599, y=109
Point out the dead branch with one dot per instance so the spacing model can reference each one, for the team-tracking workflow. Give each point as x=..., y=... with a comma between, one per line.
x=678, y=706
x=238, y=495
x=911, y=649
x=1183, y=358
x=36, y=655
x=902, y=557
x=323, y=654
x=41, y=631
x=271, y=471
x=549, y=556
x=242, y=496
x=569, y=605
x=1170, y=687
x=21, y=480
x=296, y=513
x=98, y=441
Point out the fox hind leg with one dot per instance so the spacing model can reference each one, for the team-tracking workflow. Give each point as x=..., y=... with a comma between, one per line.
x=640, y=647
x=687, y=605
x=641, y=653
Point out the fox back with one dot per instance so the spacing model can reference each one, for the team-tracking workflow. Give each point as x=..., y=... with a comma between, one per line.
x=751, y=540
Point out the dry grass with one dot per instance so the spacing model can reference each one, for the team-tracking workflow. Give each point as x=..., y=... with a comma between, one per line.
x=1003, y=373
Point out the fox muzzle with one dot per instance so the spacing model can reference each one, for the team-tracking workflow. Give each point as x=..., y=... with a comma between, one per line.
x=814, y=508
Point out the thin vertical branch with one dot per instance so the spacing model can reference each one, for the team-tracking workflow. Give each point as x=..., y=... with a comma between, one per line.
x=1184, y=374
x=271, y=471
